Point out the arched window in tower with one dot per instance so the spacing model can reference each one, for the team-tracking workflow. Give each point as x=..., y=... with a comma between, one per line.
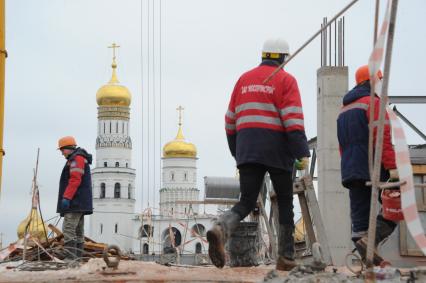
x=185, y=177
x=104, y=127
x=122, y=128
x=102, y=193
x=145, y=249
x=117, y=190
x=145, y=231
x=127, y=165
x=172, y=176
x=198, y=248
x=110, y=127
x=102, y=228
x=129, y=191
x=170, y=238
x=198, y=230
x=105, y=164
x=116, y=127
x=116, y=228
x=117, y=164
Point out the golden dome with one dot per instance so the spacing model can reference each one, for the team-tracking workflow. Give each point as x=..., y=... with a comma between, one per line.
x=179, y=147
x=35, y=229
x=113, y=94
x=299, y=231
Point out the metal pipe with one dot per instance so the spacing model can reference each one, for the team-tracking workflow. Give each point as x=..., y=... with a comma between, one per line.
x=407, y=99
x=313, y=161
x=309, y=41
x=3, y=55
x=376, y=21
x=372, y=91
x=339, y=44
x=325, y=42
x=411, y=125
x=379, y=137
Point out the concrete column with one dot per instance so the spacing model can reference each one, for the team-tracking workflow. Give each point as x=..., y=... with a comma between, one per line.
x=333, y=198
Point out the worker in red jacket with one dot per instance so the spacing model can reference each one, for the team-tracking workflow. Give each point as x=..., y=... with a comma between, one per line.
x=265, y=131
x=75, y=195
x=352, y=133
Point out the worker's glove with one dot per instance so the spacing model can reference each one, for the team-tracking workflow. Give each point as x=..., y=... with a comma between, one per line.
x=65, y=203
x=393, y=175
x=301, y=163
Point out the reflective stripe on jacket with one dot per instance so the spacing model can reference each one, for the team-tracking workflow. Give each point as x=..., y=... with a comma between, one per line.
x=264, y=122
x=352, y=133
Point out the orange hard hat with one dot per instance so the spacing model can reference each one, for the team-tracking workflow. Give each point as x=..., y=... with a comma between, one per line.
x=362, y=74
x=66, y=141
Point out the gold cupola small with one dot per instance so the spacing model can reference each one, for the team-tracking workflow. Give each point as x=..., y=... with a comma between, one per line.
x=179, y=147
x=33, y=225
x=113, y=94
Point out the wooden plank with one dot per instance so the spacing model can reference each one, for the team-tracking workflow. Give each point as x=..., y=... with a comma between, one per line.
x=55, y=230
x=419, y=169
x=87, y=239
x=94, y=246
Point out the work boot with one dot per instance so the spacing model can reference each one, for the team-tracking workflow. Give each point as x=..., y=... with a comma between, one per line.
x=361, y=247
x=384, y=229
x=285, y=259
x=70, y=250
x=219, y=234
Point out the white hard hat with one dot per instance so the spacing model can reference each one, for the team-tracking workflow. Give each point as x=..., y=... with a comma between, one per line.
x=276, y=45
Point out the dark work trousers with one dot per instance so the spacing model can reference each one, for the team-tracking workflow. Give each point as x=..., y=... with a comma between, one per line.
x=251, y=180
x=73, y=227
x=360, y=199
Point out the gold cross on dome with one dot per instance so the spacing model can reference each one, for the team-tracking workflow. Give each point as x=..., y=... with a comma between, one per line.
x=180, y=109
x=113, y=46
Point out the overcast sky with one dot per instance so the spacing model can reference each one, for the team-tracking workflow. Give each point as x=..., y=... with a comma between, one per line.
x=58, y=59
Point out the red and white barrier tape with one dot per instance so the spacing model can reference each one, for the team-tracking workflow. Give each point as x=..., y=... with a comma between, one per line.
x=408, y=194
x=403, y=162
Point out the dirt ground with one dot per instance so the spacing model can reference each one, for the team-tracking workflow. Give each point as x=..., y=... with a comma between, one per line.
x=138, y=271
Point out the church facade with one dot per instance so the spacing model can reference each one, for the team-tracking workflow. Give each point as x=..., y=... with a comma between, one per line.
x=113, y=177
x=177, y=226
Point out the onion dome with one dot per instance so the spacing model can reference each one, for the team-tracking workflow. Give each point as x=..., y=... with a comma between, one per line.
x=36, y=227
x=179, y=147
x=113, y=94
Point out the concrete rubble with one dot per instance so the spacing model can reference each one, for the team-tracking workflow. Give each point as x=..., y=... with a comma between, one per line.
x=95, y=270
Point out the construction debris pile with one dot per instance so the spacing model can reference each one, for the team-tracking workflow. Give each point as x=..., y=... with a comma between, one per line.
x=36, y=249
